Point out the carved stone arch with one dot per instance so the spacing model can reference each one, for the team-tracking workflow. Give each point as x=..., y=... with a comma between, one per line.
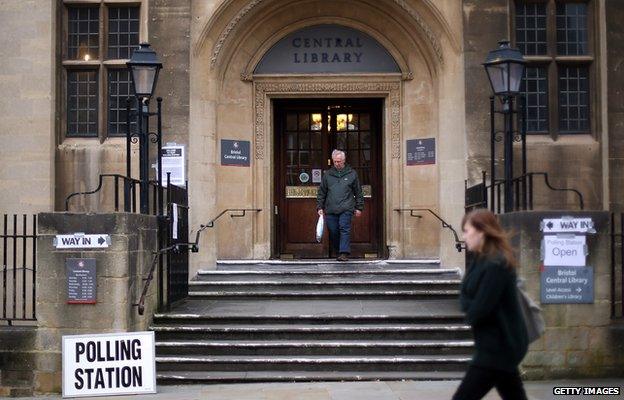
x=247, y=73
x=224, y=35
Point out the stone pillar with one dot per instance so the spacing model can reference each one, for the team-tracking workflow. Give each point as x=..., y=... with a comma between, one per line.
x=119, y=270
x=581, y=341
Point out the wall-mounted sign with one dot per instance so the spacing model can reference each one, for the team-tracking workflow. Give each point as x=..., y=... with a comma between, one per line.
x=109, y=364
x=326, y=48
x=421, y=151
x=81, y=280
x=304, y=177
x=173, y=158
x=567, y=225
x=235, y=152
x=317, y=175
x=564, y=250
x=567, y=285
x=80, y=240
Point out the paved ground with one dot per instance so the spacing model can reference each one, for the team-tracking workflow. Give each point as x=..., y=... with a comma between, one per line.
x=408, y=390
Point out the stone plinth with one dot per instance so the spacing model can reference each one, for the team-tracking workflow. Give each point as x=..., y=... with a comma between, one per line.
x=581, y=340
x=34, y=355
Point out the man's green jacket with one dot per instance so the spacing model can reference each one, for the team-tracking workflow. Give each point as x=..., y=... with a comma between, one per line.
x=340, y=191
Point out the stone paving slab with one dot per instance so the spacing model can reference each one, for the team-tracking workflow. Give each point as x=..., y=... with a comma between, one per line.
x=405, y=390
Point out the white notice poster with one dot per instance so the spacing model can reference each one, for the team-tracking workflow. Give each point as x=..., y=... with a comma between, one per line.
x=173, y=158
x=564, y=250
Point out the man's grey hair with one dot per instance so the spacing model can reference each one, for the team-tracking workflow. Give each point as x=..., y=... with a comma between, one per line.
x=337, y=153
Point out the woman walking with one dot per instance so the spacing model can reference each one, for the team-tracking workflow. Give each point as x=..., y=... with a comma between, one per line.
x=489, y=299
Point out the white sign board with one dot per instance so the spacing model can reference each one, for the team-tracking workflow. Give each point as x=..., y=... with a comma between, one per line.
x=82, y=241
x=564, y=250
x=109, y=364
x=567, y=225
x=174, y=225
x=172, y=159
x=317, y=176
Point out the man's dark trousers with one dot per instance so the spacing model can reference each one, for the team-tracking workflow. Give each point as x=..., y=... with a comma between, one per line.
x=339, y=226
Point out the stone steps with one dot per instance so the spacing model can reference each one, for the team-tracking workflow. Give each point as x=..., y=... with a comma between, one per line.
x=310, y=320
x=313, y=347
x=202, y=377
x=313, y=363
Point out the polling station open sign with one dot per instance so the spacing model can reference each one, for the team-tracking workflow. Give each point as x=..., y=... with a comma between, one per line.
x=109, y=364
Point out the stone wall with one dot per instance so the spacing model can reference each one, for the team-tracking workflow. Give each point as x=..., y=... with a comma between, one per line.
x=27, y=88
x=31, y=356
x=572, y=161
x=615, y=61
x=581, y=340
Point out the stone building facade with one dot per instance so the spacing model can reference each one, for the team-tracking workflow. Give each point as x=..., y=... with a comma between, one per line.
x=62, y=83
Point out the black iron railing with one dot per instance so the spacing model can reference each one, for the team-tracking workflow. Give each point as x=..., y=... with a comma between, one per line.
x=125, y=193
x=19, y=268
x=414, y=212
x=174, y=249
x=617, y=265
x=491, y=196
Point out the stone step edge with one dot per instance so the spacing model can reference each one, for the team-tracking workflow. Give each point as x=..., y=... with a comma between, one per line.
x=314, y=359
x=327, y=261
x=313, y=328
x=333, y=283
x=285, y=376
x=421, y=271
x=174, y=316
x=317, y=343
x=325, y=293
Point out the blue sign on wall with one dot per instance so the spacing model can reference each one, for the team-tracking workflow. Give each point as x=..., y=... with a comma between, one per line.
x=564, y=285
x=235, y=152
x=326, y=49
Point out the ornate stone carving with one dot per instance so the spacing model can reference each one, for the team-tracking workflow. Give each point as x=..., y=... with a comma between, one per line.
x=423, y=25
x=393, y=89
x=216, y=50
x=228, y=29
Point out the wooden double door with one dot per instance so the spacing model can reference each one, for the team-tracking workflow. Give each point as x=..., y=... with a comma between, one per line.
x=306, y=133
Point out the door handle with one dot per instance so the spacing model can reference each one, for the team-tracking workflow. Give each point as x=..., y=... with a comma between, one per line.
x=329, y=162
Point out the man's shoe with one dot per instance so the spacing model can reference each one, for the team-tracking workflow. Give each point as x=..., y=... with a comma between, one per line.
x=343, y=257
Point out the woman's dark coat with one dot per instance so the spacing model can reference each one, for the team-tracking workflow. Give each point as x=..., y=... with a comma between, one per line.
x=489, y=299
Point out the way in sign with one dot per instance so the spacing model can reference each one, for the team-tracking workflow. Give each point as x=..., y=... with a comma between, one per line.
x=80, y=241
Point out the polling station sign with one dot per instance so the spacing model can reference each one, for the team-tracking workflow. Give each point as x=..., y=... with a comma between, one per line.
x=109, y=364
x=564, y=250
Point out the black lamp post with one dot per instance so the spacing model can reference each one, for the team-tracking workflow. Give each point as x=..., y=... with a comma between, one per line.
x=144, y=67
x=505, y=69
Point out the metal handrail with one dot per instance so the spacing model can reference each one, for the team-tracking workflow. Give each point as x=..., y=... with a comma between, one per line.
x=210, y=224
x=459, y=244
x=530, y=176
x=132, y=181
x=193, y=246
x=150, y=277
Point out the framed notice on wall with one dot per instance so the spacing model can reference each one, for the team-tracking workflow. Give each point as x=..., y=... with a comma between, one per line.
x=421, y=151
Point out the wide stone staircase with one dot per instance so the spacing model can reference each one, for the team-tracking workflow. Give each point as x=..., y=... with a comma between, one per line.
x=315, y=321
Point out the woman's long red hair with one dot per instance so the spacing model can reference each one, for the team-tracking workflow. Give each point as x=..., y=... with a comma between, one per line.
x=495, y=239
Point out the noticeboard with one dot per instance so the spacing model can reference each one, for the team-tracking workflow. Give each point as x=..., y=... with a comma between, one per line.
x=421, y=151
x=81, y=280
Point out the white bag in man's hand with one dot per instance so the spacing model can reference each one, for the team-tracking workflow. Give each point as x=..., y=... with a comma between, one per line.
x=320, y=225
